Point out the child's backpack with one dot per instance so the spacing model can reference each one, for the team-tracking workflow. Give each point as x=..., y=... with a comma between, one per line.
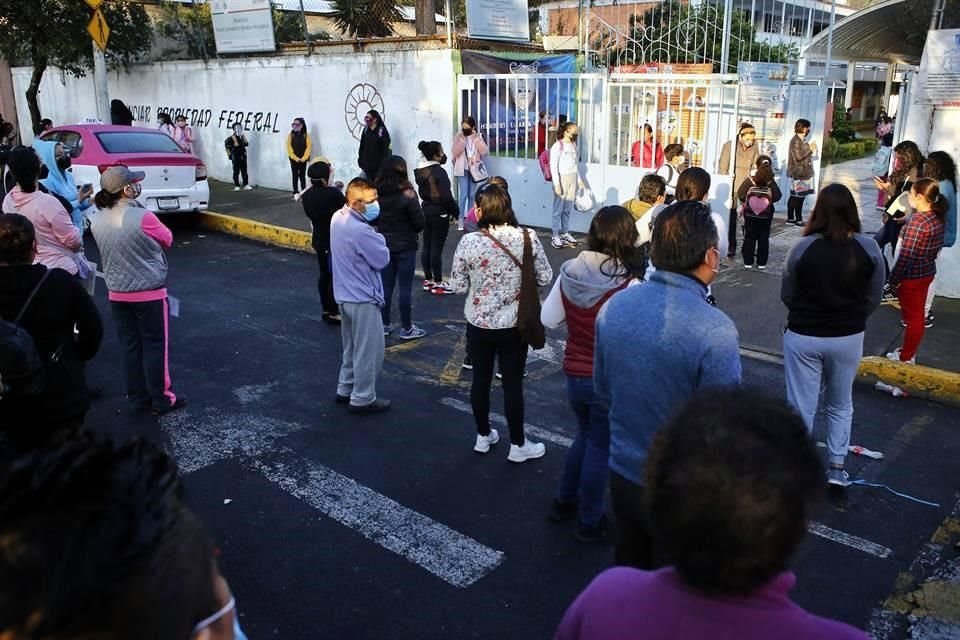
x=544, y=161
x=758, y=202
x=22, y=369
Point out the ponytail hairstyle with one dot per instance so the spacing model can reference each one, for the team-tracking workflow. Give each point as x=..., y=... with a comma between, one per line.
x=431, y=149
x=764, y=175
x=929, y=189
x=105, y=200
x=24, y=164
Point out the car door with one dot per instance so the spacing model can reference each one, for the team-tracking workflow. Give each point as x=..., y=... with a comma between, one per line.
x=84, y=172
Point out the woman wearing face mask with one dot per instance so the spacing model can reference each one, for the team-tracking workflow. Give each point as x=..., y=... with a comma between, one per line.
x=60, y=182
x=132, y=242
x=236, y=146
x=374, y=145
x=800, y=171
x=165, y=123
x=183, y=134
x=433, y=183
x=298, y=150
x=565, y=169
x=469, y=150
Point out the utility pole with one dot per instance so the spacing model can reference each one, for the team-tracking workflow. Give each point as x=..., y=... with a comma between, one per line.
x=306, y=29
x=833, y=19
x=725, y=45
x=100, y=84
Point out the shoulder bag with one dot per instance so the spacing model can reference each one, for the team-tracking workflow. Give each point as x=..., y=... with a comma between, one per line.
x=528, y=311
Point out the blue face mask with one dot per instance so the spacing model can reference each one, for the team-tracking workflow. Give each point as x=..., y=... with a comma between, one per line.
x=372, y=212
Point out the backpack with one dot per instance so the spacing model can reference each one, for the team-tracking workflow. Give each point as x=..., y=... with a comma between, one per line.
x=22, y=370
x=544, y=161
x=758, y=201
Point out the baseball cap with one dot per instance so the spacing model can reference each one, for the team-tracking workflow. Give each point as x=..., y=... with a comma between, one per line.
x=114, y=179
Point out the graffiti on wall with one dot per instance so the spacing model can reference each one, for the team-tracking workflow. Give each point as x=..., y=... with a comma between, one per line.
x=265, y=121
x=361, y=99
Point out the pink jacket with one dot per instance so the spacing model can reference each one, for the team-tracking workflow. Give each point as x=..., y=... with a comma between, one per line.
x=58, y=240
x=460, y=152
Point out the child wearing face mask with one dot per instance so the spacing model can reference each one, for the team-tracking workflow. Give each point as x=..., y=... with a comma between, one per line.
x=298, y=150
x=183, y=134
x=132, y=243
x=165, y=123
x=236, y=146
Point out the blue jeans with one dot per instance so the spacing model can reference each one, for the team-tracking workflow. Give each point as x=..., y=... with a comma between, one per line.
x=401, y=267
x=466, y=192
x=588, y=460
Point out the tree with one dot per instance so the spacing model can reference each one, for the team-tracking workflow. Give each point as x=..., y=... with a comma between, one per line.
x=190, y=26
x=366, y=18
x=41, y=33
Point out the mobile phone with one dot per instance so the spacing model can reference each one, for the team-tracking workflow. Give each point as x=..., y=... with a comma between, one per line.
x=87, y=186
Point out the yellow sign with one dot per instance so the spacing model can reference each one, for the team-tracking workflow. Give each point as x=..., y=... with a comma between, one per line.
x=99, y=30
x=94, y=4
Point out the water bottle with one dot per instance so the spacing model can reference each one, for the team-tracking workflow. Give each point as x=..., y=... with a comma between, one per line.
x=896, y=392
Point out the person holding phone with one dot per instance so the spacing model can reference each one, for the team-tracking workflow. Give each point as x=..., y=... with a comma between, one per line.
x=907, y=166
x=59, y=180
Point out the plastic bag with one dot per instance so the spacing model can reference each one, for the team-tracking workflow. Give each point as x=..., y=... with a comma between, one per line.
x=583, y=202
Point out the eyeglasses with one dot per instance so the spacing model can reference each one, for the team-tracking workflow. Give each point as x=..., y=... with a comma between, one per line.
x=216, y=617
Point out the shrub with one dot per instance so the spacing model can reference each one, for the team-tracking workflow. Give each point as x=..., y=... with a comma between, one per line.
x=870, y=145
x=842, y=130
x=830, y=148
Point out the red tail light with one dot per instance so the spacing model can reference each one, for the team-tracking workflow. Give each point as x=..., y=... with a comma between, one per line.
x=201, y=172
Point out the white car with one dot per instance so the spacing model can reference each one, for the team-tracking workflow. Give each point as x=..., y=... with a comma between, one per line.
x=176, y=181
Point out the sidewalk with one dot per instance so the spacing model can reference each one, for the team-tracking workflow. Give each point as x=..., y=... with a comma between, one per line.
x=750, y=298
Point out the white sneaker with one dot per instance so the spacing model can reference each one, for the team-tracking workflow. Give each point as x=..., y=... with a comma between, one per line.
x=762, y=267
x=485, y=442
x=569, y=239
x=296, y=197
x=248, y=188
x=895, y=356
x=748, y=266
x=236, y=188
x=459, y=226
x=557, y=243
x=528, y=451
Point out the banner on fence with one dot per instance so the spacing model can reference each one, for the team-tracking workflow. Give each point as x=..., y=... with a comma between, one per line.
x=508, y=110
x=764, y=88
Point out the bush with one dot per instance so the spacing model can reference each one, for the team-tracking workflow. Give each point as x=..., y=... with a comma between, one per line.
x=842, y=130
x=870, y=145
x=830, y=148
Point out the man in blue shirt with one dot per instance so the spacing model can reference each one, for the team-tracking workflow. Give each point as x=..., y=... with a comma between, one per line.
x=657, y=344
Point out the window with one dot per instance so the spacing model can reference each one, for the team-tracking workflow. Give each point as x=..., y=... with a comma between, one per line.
x=771, y=23
x=137, y=142
x=818, y=27
x=72, y=142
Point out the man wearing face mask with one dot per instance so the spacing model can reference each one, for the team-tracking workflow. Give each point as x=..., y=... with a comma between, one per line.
x=686, y=345
x=132, y=241
x=737, y=159
x=236, y=146
x=358, y=253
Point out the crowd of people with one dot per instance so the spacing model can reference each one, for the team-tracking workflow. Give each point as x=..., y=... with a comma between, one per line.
x=710, y=486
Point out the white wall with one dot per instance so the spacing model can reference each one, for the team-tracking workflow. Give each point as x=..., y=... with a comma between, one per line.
x=416, y=88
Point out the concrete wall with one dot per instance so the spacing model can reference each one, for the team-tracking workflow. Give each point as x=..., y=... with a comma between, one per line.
x=414, y=90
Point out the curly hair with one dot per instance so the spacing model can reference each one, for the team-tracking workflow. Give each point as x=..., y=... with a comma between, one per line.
x=730, y=484
x=908, y=158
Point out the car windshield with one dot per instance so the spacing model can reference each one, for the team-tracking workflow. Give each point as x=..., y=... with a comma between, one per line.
x=137, y=142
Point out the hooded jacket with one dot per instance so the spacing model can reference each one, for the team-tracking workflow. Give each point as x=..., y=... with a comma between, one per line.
x=61, y=182
x=58, y=240
x=584, y=285
x=320, y=203
x=433, y=183
x=401, y=218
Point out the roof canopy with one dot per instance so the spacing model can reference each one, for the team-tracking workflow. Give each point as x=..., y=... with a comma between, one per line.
x=889, y=31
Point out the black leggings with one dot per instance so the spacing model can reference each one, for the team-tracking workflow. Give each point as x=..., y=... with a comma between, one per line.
x=506, y=346
x=795, y=208
x=756, y=239
x=298, y=171
x=240, y=169
x=435, y=232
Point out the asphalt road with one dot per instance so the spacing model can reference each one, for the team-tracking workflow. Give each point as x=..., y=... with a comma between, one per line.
x=340, y=526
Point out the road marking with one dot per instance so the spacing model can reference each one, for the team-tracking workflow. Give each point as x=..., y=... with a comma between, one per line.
x=828, y=533
x=199, y=440
x=451, y=556
x=543, y=434
x=762, y=356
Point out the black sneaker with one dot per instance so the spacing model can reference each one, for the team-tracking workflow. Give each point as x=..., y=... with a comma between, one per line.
x=179, y=404
x=888, y=293
x=927, y=322
x=562, y=511
x=343, y=399
x=377, y=406
x=600, y=534
x=500, y=373
x=467, y=363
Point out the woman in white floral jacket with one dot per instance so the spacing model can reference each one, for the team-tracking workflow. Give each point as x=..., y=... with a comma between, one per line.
x=484, y=269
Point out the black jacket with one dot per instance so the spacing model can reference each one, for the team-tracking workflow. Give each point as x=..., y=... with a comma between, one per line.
x=433, y=183
x=236, y=147
x=60, y=304
x=320, y=203
x=775, y=193
x=374, y=149
x=401, y=218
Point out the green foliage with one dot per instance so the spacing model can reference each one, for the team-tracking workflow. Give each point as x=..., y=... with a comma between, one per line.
x=693, y=33
x=870, y=145
x=41, y=33
x=836, y=151
x=366, y=18
x=830, y=148
x=190, y=26
x=843, y=130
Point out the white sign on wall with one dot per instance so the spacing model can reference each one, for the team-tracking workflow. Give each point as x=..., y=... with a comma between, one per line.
x=939, y=80
x=243, y=25
x=498, y=20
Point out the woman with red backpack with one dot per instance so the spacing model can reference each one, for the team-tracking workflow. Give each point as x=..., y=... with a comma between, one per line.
x=758, y=194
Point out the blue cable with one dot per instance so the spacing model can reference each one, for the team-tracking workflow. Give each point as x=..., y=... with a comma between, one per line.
x=864, y=483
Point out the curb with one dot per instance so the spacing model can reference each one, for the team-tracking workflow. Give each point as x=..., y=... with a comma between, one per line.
x=253, y=230
x=917, y=380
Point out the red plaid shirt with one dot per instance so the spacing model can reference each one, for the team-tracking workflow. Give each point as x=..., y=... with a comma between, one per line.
x=920, y=242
